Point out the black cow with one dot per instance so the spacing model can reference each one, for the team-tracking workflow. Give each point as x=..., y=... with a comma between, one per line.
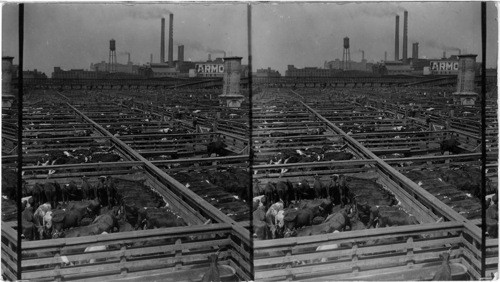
x=64, y=219
x=38, y=194
x=337, y=156
x=216, y=148
x=304, y=190
x=319, y=189
x=111, y=191
x=297, y=218
x=51, y=191
x=270, y=193
x=101, y=192
x=159, y=218
x=450, y=145
x=86, y=189
x=106, y=157
x=256, y=189
x=281, y=190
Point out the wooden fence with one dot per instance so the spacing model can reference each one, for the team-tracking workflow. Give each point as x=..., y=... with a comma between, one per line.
x=396, y=253
x=177, y=254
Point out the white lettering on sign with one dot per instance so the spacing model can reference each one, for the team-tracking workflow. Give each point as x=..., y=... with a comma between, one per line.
x=444, y=65
x=209, y=68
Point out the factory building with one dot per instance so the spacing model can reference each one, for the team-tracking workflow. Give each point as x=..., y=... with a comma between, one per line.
x=292, y=71
x=357, y=66
x=267, y=73
x=76, y=74
x=34, y=74
x=163, y=70
x=122, y=68
x=398, y=68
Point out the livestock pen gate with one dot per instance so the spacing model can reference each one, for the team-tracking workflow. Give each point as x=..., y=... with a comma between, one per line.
x=167, y=254
x=393, y=253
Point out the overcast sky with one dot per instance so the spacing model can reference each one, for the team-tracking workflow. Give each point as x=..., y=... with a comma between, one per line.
x=307, y=34
x=311, y=33
x=75, y=35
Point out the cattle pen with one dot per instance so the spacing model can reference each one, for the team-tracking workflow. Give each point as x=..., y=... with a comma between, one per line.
x=156, y=143
x=388, y=146
x=145, y=148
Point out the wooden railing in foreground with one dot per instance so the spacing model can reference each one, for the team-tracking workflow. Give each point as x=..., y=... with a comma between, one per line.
x=130, y=254
x=367, y=253
x=9, y=250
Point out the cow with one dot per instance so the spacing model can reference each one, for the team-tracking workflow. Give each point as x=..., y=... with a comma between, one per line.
x=104, y=157
x=261, y=230
x=217, y=148
x=64, y=219
x=304, y=190
x=50, y=190
x=450, y=146
x=282, y=191
x=270, y=217
x=270, y=193
x=319, y=189
x=38, y=195
x=256, y=189
x=101, y=191
x=111, y=191
x=260, y=213
x=393, y=216
x=89, y=230
x=297, y=218
x=336, y=156
x=38, y=219
x=69, y=191
x=333, y=189
x=86, y=188
x=159, y=218
x=319, y=207
x=340, y=220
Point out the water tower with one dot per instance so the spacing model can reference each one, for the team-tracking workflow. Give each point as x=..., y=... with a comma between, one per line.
x=465, y=95
x=112, y=56
x=346, y=56
x=231, y=96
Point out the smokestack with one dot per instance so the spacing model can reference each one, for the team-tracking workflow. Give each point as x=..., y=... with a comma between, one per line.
x=180, y=54
x=128, y=62
x=415, y=51
x=151, y=59
x=171, y=42
x=209, y=57
x=459, y=52
x=396, y=47
x=444, y=54
x=385, y=56
x=362, y=55
x=162, y=48
x=405, y=37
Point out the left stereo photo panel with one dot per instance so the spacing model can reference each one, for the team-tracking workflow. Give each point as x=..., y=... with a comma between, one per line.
x=135, y=139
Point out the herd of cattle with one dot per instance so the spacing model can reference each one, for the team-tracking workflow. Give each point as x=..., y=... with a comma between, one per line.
x=312, y=154
x=91, y=207
x=458, y=187
x=340, y=203
x=226, y=190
